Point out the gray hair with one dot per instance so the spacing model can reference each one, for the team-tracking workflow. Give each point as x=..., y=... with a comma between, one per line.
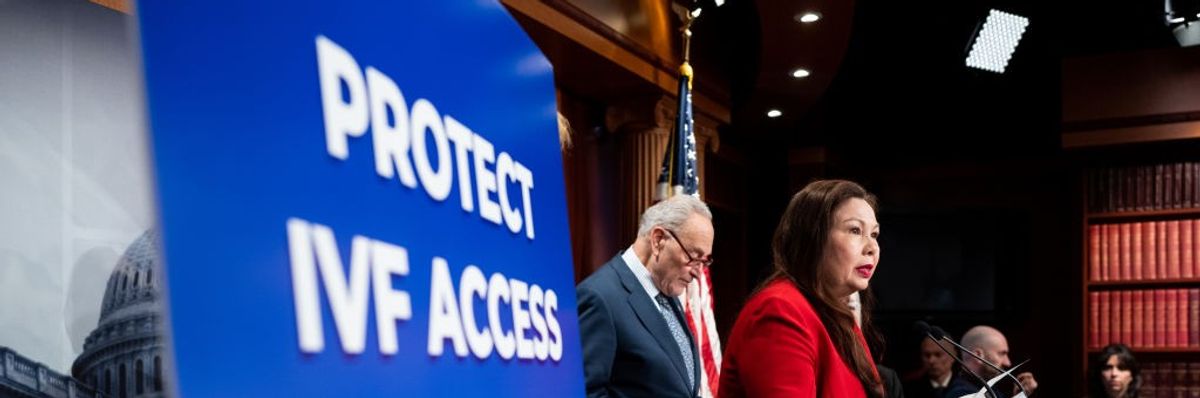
x=672, y=213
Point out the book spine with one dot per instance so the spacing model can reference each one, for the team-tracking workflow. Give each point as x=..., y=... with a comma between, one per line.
x=1186, y=244
x=1150, y=250
x=1172, y=300
x=1138, y=336
x=1126, y=249
x=1160, y=318
x=1106, y=318
x=1173, y=249
x=1126, y=317
x=1194, y=318
x=1137, y=271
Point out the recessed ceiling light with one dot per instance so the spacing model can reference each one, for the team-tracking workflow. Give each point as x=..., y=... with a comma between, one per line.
x=774, y=113
x=808, y=17
x=800, y=73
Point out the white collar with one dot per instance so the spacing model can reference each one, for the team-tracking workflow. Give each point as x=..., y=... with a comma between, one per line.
x=943, y=383
x=642, y=274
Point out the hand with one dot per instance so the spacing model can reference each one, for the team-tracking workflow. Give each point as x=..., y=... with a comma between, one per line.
x=1027, y=381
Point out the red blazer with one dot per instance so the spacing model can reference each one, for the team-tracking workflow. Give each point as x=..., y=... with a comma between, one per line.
x=779, y=348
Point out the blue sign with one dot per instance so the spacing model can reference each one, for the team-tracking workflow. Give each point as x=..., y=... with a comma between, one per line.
x=359, y=199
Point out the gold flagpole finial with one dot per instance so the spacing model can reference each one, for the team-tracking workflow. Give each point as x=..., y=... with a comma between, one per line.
x=688, y=18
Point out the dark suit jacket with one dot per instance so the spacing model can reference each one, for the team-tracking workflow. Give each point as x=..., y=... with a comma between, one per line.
x=628, y=350
x=961, y=385
x=921, y=388
x=892, y=387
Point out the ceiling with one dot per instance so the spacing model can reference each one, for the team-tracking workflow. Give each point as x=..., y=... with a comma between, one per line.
x=889, y=77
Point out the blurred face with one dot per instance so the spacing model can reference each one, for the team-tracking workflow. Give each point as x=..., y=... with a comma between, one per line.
x=997, y=353
x=937, y=363
x=1116, y=377
x=681, y=257
x=852, y=252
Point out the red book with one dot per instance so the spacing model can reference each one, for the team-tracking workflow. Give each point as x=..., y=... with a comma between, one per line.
x=1149, y=314
x=1093, y=253
x=1106, y=317
x=1186, y=246
x=1194, y=321
x=1173, y=270
x=1126, y=248
x=1137, y=334
x=1160, y=318
x=1126, y=316
x=1163, y=258
x=1196, y=246
x=1181, y=328
x=1108, y=261
x=1114, y=336
x=1094, y=320
x=1150, y=250
x=1135, y=256
x=1172, y=316
x=1114, y=251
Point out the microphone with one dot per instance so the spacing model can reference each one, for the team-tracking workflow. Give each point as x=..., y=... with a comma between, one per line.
x=937, y=333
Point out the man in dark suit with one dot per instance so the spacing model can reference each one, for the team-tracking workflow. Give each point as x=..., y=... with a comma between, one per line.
x=635, y=340
x=938, y=367
x=990, y=344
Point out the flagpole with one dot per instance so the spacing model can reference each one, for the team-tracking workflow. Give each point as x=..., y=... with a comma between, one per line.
x=698, y=297
x=686, y=68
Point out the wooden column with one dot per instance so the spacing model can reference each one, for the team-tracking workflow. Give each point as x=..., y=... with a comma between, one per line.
x=642, y=126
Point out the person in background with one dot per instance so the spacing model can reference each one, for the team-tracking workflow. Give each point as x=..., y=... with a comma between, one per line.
x=938, y=369
x=635, y=340
x=1114, y=373
x=892, y=386
x=989, y=343
x=796, y=336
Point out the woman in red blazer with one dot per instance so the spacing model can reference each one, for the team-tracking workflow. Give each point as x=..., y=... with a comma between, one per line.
x=796, y=336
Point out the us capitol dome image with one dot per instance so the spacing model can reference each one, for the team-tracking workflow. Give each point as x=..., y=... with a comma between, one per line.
x=122, y=357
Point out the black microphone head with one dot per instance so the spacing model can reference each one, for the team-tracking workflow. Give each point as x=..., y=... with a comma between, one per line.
x=921, y=327
x=925, y=329
x=937, y=333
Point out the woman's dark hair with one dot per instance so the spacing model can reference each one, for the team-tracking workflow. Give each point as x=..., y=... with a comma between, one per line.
x=1125, y=360
x=798, y=247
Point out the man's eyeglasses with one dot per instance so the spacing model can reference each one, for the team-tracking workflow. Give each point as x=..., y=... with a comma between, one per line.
x=691, y=260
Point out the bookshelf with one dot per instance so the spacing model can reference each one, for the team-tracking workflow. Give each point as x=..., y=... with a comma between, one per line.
x=1141, y=250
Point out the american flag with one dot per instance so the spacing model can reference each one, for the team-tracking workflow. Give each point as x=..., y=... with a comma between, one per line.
x=679, y=176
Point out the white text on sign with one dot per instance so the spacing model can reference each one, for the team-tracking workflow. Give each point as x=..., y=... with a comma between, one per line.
x=401, y=142
x=535, y=334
